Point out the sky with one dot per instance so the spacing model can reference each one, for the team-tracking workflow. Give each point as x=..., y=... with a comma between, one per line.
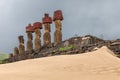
x=100, y=18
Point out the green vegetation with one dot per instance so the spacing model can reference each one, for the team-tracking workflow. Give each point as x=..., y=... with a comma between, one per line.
x=66, y=48
x=2, y=57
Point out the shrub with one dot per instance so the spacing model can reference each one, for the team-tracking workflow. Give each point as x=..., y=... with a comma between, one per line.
x=66, y=48
x=1, y=62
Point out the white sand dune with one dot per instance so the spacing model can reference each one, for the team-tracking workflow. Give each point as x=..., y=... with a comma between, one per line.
x=97, y=65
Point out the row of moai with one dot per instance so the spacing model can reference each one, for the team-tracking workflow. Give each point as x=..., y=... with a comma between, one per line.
x=20, y=53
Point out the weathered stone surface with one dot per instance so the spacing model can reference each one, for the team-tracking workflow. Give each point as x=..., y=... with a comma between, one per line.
x=47, y=37
x=66, y=43
x=29, y=31
x=21, y=48
x=29, y=45
x=57, y=18
x=58, y=25
x=114, y=46
x=11, y=57
x=37, y=41
x=58, y=32
x=57, y=37
x=29, y=42
x=16, y=51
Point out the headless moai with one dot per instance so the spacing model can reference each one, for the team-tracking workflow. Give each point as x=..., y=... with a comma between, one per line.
x=37, y=41
x=29, y=31
x=47, y=37
x=16, y=51
x=11, y=57
x=16, y=54
x=58, y=17
x=21, y=48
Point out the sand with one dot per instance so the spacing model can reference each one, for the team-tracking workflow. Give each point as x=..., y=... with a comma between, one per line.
x=97, y=65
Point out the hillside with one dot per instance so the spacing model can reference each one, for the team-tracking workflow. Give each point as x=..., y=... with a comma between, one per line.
x=96, y=65
x=3, y=56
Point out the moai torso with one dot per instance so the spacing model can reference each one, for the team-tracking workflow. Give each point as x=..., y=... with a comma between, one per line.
x=16, y=51
x=47, y=36
x=37, y=39
x=57, y=36
x=29, y=42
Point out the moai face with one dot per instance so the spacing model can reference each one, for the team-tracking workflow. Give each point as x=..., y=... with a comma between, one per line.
x=38, y=33
x=58, y=24
x=21, y=49
x=16, y=51
x=47, y=38
x=29, y=45
x=29, y=34
x=21, y=40
x=47, y=27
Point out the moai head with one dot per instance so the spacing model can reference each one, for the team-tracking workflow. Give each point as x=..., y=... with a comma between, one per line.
x=21, y=40
x=57, y=18
x=29, y=31
x=46, y=20
x=16, y=51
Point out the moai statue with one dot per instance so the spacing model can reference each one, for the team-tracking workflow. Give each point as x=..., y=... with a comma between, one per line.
x=11, y=57
x=16, y=53
x=37, y=26
x=47, y=37
x=21, y=48
x=29, y=31
x=57, y=18
x=21, y=45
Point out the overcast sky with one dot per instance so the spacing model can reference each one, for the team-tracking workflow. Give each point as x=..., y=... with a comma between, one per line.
x=96, y=17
